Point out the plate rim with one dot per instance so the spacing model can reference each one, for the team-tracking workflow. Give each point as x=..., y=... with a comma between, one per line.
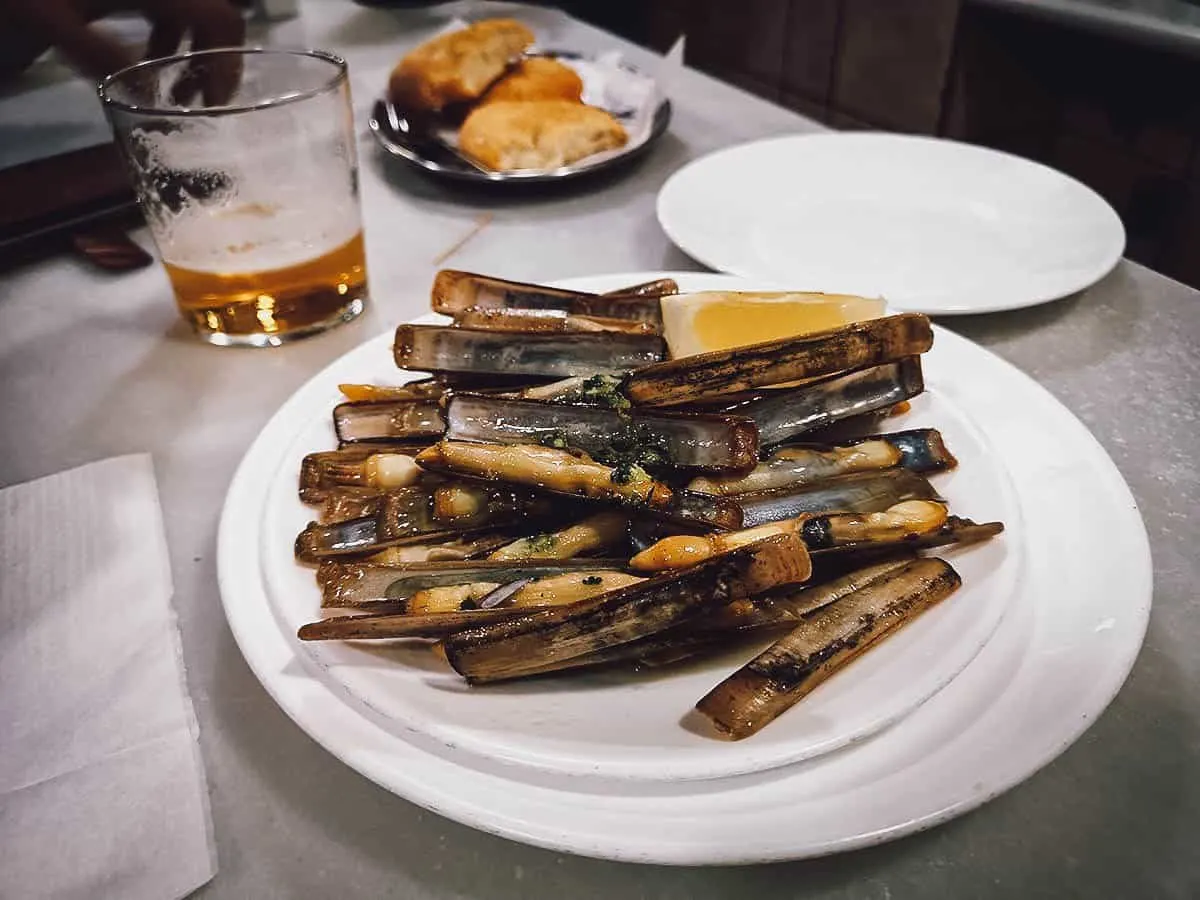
x=555, y=837
x=741, y=271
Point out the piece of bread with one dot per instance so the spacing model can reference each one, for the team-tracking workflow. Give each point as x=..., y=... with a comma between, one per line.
x=537, y=78
x=537, y=134
x=458, y=66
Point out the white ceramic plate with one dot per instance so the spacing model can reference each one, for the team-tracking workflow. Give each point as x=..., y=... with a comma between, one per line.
x=609, y=724
x=932, y=225
x=1069, y=632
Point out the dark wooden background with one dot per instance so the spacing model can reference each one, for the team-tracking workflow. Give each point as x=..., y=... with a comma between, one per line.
x=1121, y=117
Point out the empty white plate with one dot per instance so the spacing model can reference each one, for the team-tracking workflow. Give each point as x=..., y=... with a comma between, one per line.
x=931, y=225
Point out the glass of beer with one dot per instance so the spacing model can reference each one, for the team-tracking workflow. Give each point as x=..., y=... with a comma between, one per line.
x=244, y=165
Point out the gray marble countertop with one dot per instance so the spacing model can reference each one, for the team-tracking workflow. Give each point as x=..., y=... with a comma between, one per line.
x=1171, y=24
x=93, y=365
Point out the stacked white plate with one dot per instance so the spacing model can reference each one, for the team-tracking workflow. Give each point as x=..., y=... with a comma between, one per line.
x=962, y=704
x=932, y=225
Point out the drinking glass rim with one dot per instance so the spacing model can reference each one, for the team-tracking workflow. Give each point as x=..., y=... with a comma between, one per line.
x=108, y=101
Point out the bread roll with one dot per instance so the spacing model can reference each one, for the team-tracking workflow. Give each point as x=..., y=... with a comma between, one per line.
x=537, y=78
x=537, y=134
x=458, y=66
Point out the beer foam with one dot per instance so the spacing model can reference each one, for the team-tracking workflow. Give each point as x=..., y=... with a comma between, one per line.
x=255, y=235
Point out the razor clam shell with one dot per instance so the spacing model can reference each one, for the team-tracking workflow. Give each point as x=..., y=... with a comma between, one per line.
x=318, y=541
x=822, y=644
x=722, y=372
x=523, y=646
x=665, y=648
x=385, y=626
x=394, y=421
x=485, y=383
x=456, y=549
x=921, y=449
x=406, y=511
x=455, y=291
x=525, y=321
x=437, y=348
x=322, y=473
x=350, y=503
x=794, y=603
x=783, y=415
x=702, y=442
x=862, y=492
x=406, y=516
x=683, y=507
x=364, y=586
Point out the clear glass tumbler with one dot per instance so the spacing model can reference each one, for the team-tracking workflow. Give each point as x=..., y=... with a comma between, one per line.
x=253, y=199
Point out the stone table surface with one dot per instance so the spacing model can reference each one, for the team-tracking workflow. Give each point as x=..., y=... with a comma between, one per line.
x=93, y=365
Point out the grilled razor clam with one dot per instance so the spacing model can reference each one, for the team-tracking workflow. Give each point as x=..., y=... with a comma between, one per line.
x=552, y=590
x=705, y=442
x=822, y=644
x=863, y=492
x=521, y=646
x=792, y=605
x=540, y=320
x=455, y=292
x=453, y=550
x=437, y=348
x=459, y=507
x=955, y=531
x=328, y=470
x=920, y=450
x=409, y=517
x=782, y=415
x=560, y=472
x=448, y=502
x=745, y=619
x=353, y=536
x=366, y=586
x=425, y=389
x=721, y=372
x=393, y=421
x=601, y=532
x=901, y=522
x=665, y=648
x=387, y=626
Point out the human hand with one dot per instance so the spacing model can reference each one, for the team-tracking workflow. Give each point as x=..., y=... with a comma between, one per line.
x=30, y=27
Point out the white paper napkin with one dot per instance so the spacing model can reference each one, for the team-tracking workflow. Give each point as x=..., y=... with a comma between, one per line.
x=102, y=792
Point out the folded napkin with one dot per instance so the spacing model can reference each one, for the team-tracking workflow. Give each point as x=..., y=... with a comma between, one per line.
x=102, y=792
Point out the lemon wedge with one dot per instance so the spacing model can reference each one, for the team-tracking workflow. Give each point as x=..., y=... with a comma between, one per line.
x=720, y=320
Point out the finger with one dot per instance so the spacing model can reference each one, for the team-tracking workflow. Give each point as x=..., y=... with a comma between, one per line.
x=187, y=87
x=165, y=37
x=220, y=26
x=87, y=51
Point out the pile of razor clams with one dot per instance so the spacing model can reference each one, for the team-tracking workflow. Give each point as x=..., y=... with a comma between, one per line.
x=559, y=495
